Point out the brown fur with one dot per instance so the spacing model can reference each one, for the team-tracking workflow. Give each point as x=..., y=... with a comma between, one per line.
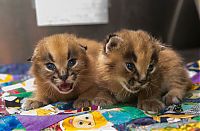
x=167, y=76
x=58, y=47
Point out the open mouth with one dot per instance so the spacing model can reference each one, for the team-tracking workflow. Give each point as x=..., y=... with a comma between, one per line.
x=65, y=87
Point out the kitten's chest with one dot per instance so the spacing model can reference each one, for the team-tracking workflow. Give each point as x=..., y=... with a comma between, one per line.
x=64, y=97
x=125, y=97
x=120, y=94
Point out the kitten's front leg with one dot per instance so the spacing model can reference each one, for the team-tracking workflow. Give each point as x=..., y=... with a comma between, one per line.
x=33, y=103
x=94, y=96
x=104, y=98
x=84, y=100
x=174, y=96
x=150, y=102
x=176, y=89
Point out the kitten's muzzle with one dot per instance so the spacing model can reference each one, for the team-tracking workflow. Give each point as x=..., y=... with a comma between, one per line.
x=133, y=82
x=133, y=87
x=64, y=77
x=142, y=82
x=65, y=87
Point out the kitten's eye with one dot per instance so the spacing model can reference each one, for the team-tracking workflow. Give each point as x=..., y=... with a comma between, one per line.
x=51, y=66
x=71, y=63
x=151, y=67
x=80, y=123
x=130, y=66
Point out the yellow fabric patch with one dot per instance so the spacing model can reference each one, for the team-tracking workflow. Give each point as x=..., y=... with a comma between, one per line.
x=185, y=127
x=17, y=101
x=89, y=121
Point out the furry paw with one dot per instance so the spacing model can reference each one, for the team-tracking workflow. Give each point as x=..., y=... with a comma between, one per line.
x=31, y=104
x=172, y=98
x=99, y=101
x=79, y=103
x=151, y=105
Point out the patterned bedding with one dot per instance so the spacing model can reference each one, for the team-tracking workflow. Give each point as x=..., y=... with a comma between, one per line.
x=16, y=86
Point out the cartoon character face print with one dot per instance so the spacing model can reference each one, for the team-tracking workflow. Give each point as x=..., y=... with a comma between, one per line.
x=89, y=121
x=84, y=121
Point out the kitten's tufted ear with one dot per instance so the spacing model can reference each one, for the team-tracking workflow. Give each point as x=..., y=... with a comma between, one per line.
x=83, y=47
x=160, y=47
x=113, y=42
x=29, y=59
x=34, y=56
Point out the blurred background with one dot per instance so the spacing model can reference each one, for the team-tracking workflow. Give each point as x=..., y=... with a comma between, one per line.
x=174, y=22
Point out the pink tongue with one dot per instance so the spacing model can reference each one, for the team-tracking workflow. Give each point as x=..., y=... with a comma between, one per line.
x=65, y=86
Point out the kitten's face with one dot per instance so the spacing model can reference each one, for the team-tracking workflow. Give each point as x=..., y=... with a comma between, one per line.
x=59, y=60
x=131, y=58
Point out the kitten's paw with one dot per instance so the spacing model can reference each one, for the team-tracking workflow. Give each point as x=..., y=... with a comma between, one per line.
x=31, y=104
x=151, y=105
x=100, y=101
x=172, y=98
x=79, y=103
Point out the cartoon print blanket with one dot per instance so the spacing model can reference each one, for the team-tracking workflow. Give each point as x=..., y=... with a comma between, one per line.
x=16, y=86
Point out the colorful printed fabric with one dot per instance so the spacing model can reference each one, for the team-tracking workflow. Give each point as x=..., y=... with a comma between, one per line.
x=8, y=123
x=16, y=86
x=39, y=122
x=14, y=69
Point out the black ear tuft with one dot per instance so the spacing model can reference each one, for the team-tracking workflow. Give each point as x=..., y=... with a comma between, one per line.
x=109, y=36
x=29, y=59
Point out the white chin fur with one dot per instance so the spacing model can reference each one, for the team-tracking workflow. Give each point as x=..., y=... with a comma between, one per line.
x=145, y=85
x=65, y=92
x=125, y=87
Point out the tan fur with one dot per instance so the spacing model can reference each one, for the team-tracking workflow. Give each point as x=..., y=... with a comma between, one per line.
x=169, y=76
x=59, y=46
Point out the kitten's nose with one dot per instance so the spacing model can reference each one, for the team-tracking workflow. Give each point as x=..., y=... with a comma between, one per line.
x=143, y=81
x=131, y=82
x=64, y=77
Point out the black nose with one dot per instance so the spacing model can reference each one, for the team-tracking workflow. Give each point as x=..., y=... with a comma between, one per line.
x=63, y=77
x=131, y=82
x=142, y=82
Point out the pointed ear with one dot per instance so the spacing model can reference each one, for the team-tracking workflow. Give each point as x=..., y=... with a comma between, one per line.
x=29, y=59
x=83, y=47
x=113, y=42
x=160, y=47
x=34, y=56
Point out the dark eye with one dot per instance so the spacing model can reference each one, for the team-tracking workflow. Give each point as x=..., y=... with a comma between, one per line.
x=80, y=123
x=71, y=62
x=130, y=66
x=51, y=66
x=151, y=67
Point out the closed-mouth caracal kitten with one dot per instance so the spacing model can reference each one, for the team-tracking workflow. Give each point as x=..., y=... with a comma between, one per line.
x=63, y=67
x=134, y=65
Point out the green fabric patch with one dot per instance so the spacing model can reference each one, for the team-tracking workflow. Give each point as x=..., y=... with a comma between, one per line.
x=23, y=95
x=196, y=118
